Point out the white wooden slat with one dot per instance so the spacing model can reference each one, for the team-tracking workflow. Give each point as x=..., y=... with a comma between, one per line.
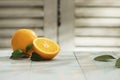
x=97, y=12
x=10, y=32
x=50, y=19
x=107, y=32
x=5, y=43
x=21, y=12
x=66, y=30
x=93, y=22
x=21, y=22
x=78, y=49
x=39, y=32
x=97, y=2
x=97, y=41
x=21, y=2
x=97, y=25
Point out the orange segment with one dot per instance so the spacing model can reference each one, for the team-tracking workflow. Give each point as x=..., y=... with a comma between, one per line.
x=46, y=48
x=22, y=38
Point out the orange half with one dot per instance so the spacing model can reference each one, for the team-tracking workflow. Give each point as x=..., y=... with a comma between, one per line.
x=46, y=48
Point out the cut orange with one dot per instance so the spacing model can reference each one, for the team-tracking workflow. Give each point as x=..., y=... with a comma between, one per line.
x=22, y=38
x=46, y=48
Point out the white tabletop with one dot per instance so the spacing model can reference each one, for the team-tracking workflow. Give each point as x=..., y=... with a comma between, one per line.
x=66, y=66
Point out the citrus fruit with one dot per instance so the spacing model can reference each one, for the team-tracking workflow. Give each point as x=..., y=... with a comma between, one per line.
x=22, y=38
x=46, y=48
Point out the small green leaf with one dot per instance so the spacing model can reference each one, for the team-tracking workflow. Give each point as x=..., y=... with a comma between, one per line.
x=103, y=58
x=117, y=64
x=35, y=57
x=17, y=54
x=29, y=47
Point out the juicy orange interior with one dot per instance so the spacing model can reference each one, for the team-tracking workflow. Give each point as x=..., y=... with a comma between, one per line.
x=46, y=45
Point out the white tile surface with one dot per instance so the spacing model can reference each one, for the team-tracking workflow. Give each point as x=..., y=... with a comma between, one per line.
x=95, y=70
x=66, y=66
x=63, y=67
x=13, y=69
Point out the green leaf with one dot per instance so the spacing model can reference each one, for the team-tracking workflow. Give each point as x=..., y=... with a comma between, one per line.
x=103, y=58
x=29, y=47
x=17, y=54
x=117, y=64
x=36, y=57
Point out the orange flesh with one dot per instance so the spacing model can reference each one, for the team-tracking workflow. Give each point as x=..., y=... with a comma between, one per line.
x=46, y=45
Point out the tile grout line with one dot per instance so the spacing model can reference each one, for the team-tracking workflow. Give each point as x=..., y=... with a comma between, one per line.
x=30, y=67
x=80, y=66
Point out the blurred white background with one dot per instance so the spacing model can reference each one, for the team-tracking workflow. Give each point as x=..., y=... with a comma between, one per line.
x=86, y=25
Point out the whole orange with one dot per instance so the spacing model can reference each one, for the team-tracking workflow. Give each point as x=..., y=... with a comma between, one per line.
x=22, y=38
